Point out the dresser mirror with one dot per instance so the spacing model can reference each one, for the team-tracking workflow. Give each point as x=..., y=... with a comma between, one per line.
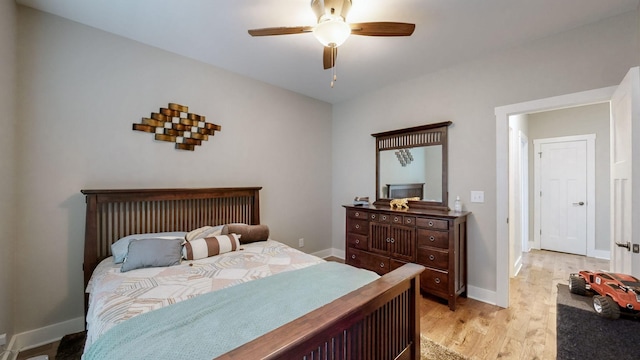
x=412, y=163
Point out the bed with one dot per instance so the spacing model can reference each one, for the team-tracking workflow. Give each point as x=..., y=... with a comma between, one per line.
x=379, y=320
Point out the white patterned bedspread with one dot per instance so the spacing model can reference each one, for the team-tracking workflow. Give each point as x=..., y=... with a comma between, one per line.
x=116, y=296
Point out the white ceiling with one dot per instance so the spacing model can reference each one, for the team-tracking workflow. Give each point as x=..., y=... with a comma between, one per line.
x=447, y=32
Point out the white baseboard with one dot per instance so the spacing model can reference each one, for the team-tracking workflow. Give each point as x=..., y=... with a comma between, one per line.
x=323, y=253
x=600, y=254
x=481, y=294
x=332, y=252
x=45, y=335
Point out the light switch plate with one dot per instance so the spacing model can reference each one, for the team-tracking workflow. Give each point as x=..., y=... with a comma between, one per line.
x=477, y=196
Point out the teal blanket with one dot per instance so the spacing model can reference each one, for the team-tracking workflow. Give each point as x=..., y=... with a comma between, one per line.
x=212, y=324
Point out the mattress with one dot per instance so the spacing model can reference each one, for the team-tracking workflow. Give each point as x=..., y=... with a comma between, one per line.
x=115, y=296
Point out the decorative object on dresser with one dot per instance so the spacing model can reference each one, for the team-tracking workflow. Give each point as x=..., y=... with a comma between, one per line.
x=177, y=125
x=425, y=178
x=361, y=201
x=382, y=239
x=402, y=203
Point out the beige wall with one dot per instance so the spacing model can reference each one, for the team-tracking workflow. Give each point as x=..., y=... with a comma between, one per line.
x=80, y=91
x=593, y=56
x=8, y=26
x=590, y=119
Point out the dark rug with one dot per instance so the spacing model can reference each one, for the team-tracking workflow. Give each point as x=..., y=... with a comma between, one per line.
x=71, y=346
x=582, y=334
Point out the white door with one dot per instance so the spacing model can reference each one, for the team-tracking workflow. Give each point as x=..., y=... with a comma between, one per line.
x=624, y=110
x=563, y=196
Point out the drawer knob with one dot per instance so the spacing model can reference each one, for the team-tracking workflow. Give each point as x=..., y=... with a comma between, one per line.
x=395, y=219
x=384, y=217
x=431, y=257
x=357, y=214
x=437, y=280
x=353, y=256
x=358, y=241
x=388, y=240
x=381, y=265
x=373, y=216
x=432, y=238
x=357, y=226
x=393, y=240
x=430, y=223
x=408, y=221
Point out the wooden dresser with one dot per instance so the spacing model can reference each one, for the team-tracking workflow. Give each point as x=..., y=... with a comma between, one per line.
x=381, y=239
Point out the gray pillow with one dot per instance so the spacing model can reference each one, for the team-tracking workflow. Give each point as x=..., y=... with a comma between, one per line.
x=119, y=248
x=145, y=253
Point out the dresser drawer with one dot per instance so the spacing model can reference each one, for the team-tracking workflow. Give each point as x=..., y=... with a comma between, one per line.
x=357, y=214
x=434, y=280
x=409, y=220
x=383, y=218
x=367, y=260
x=358, y=226
x=397, y=219
x=438, y=239
x=357, y=241
x=433, y=258
x=432, y=223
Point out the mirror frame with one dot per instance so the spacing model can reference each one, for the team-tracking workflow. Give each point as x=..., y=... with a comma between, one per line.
x=425, y=135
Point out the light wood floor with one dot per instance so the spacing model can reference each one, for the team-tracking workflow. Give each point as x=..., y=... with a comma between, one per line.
x=526, y=330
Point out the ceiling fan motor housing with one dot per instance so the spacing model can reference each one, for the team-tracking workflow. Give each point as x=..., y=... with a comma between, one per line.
x=330, y=8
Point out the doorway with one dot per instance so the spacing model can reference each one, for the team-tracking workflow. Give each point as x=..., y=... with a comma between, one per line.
x=502, y=171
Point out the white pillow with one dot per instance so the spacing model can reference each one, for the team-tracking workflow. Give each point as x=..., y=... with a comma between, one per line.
x=204, y=232
x=120, y=248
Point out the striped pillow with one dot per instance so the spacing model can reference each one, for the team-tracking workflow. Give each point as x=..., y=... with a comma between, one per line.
x=211, y=246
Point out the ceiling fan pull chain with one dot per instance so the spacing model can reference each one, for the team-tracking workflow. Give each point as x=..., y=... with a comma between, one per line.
x=333, y=69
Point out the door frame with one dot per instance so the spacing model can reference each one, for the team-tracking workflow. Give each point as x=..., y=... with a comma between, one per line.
x=502, y=170
x=591, y=190
x=524, y=191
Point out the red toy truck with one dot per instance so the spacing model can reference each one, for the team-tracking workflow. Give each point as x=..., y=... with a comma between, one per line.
x=615, y=293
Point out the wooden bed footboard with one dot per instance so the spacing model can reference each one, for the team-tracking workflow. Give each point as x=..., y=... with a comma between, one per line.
x=379, y=321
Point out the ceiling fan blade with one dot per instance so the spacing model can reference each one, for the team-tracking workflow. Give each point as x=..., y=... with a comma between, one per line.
x=328, y=60
x=280, y=30
x=382, y=29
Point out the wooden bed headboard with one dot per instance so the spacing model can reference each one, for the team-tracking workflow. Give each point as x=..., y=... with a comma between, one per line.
x=113, y=214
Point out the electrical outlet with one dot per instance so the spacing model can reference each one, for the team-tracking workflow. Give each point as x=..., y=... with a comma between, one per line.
x=477, y=196
x=301, y=242
x=3, y=339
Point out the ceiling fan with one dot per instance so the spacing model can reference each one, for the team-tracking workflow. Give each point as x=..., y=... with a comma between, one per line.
x=332, y=29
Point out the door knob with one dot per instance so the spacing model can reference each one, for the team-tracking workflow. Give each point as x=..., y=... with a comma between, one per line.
x=581, y=203
x=627, y=245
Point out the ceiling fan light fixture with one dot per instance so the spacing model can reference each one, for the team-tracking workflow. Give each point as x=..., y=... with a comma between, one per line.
x=332, y=32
